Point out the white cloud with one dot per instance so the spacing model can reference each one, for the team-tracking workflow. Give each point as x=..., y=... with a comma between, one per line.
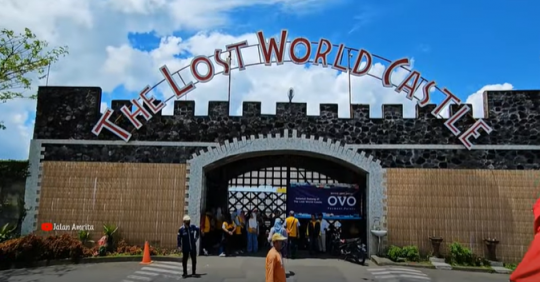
x=477, y=98
x=100, y=55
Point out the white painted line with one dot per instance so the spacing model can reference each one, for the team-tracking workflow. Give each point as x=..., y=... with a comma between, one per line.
x=161, y=270
x=168, y=266
x=385, y=277
x=146, y=273
x=398, y=272
x=415, y=277
x=127, y=281
x=143, y=278
x=347, y=146
x=169, y=262
x=139, y=278
x=376, y=269
x=406, y=269
x=131, y=143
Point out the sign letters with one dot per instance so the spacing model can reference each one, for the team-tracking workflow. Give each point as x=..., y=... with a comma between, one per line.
x=342, y=201
x=317, y=53
x=334, y=201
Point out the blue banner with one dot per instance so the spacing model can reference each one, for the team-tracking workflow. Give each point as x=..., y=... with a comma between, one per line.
x=334, y=201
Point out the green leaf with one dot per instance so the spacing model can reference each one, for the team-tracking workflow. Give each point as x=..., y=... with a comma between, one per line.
x=21, y=56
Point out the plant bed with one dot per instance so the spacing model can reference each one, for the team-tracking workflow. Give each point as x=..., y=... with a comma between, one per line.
x=385, y=261
x=473, y=268
x=34, y=251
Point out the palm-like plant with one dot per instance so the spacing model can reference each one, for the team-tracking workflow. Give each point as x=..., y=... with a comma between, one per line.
x=84, y=236
x=6, y=232
x=109, y=230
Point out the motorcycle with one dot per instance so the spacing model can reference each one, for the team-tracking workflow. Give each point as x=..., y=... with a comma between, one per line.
x=352, y=250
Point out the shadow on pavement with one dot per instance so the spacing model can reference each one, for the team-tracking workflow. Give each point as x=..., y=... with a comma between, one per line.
x=28, y=274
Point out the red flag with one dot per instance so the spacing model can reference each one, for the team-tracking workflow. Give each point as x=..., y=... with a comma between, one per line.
x=528, y=269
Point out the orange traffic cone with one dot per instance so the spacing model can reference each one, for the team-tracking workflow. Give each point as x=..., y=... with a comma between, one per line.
x=146, y=254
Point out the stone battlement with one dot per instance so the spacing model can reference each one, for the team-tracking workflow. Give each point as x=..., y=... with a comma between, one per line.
x=71, y=113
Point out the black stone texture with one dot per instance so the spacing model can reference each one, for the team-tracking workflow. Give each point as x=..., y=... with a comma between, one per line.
x=71, y=113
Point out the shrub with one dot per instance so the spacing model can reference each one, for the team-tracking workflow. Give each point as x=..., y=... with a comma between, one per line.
x=125, y=249
x=409, y=253
x=23, y=251
x=26, y=250
x=460, y=255
x=394, y=253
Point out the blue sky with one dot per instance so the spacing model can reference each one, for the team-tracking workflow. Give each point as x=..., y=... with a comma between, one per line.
x=463, y=45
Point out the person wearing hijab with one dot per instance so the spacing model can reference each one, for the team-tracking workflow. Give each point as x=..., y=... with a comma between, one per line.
x=528, y=270
x=278, y=228
x=252, y=234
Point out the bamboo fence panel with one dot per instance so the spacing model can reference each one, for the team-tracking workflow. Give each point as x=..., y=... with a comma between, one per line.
x=462, y=206
x=146, y=201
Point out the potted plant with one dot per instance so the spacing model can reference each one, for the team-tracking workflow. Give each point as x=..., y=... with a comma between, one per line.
x=491, y=244
x=436, y=244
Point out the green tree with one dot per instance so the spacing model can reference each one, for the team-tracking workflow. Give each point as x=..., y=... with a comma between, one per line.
x=20, y=56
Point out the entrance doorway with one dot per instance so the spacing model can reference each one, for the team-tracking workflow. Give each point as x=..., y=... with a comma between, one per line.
x=207, y=183
x=229, y=183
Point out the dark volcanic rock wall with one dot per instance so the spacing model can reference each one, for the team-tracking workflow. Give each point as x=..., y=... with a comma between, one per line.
x=70, y=113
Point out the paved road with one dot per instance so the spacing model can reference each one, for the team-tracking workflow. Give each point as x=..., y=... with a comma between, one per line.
x=241, y=269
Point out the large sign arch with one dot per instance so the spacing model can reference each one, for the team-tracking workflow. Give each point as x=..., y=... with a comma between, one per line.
x=273, y=50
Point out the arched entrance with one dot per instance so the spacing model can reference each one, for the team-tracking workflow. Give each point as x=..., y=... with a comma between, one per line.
x=202, y=164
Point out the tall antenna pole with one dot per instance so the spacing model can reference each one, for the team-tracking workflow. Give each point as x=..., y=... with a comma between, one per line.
x=229, y=62
x=48, y=71
x=350, y=90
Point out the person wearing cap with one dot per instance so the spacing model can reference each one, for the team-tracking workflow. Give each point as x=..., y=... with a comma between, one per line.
x=188, y=234
x=292, y=226
x=275, y=272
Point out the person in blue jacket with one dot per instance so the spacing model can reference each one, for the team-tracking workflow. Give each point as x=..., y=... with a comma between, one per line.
x=187, y=238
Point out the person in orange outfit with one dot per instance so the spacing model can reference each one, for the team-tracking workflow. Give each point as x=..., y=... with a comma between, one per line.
x=275, y=272
x=528, y=269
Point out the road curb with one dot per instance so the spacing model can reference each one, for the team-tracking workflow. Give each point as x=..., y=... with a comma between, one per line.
x=386, y=262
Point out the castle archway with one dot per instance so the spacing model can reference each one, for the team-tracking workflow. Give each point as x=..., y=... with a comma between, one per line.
x=287, y=144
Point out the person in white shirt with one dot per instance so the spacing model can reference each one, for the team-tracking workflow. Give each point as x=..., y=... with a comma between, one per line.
x=322, y=239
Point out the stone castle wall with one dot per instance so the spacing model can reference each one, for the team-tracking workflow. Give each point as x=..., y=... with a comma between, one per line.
x=71, y=113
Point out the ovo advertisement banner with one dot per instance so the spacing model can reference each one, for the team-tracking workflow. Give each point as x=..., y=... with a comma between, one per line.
x=333, y=201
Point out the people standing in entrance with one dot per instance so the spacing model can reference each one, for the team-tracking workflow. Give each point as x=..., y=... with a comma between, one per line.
x=279, y=229
x=313, y=232
x=324, y=227
x=228, y=228
x=238, y=232
x=187, y=238
x=252, y=234
x=218, y=232
x=292, y=226
x=206, y=225
x=275, y=272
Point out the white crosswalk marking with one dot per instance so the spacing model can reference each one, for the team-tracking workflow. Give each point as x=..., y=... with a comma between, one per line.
x=398, y=274
x=150, y=272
